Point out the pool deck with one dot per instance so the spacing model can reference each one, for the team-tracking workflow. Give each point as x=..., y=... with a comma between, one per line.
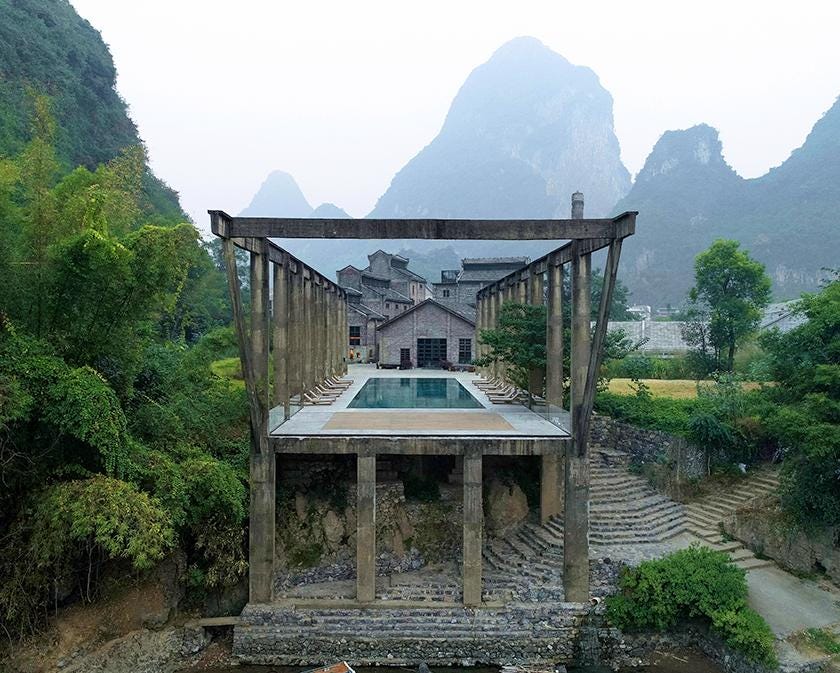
x=337, y=421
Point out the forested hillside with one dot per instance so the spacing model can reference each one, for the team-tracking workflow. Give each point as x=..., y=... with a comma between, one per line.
x=47, y=48
x=688, y=196
x=118, y=445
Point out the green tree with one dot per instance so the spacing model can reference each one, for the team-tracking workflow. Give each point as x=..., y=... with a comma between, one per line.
x=805, y=416
x=518, y=342
x=732, y=289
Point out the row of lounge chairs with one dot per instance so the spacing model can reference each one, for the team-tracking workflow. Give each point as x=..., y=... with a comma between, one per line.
x=499, y=391
x=326, y=392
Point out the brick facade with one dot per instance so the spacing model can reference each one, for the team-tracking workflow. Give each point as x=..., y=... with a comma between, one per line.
x=428, y=320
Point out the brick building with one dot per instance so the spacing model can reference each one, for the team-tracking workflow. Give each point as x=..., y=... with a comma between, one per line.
x=384, y=290
x=428, y=333
x=461, y=285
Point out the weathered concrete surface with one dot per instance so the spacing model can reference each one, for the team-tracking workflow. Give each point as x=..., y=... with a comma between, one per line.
x=473, y=525
x=366, y=529
x=791, y=604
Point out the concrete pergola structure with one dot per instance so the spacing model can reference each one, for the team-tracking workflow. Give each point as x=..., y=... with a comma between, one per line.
x=302, y=307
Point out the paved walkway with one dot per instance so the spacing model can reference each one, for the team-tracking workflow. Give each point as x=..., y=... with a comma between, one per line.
x=791, y=604
x=496, y=420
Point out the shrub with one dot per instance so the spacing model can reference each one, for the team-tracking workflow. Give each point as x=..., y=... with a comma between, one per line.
x=692, y=583
x=654, y=413
x=746, y=631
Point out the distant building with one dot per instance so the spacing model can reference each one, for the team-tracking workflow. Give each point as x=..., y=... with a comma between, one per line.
x=383, y=290
x=427, y=334
x=781, y=316
x=461, y=285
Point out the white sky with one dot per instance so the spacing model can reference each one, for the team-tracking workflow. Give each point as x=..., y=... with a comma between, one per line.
x=342, y=94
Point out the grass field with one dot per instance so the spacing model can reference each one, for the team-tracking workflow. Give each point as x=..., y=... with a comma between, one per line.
x=678, y=388
x=228, y=368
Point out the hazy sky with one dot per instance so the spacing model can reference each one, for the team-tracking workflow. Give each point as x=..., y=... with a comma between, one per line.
x=343, y=94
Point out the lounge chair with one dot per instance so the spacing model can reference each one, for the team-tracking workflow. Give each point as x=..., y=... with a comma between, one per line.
x=320, y=391
x=339, y=383
x=310, y=400
x=507, y=398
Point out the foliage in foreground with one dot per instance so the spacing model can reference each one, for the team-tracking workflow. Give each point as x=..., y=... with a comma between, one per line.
x=693, y=583
x=117, y=441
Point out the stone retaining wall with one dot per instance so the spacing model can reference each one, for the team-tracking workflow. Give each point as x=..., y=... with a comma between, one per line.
x=766, y=530
x=669, y=461
x=405, y=637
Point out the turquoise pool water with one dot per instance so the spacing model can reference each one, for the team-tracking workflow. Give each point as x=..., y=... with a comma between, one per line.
x=413, y=393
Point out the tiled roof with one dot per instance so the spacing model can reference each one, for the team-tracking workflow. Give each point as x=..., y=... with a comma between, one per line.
x=458, y=310
x=366, y=311
x=465, y=310
x=389, y=294
x=410, y=274
x=482, y=275
x=496, y=260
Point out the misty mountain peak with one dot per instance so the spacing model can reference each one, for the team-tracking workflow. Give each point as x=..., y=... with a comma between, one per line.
x=685, y=150
x=329, y=211
x=278, y=196
x=526, y=129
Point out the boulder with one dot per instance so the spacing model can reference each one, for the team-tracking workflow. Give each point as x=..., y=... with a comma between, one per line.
x=333, y=529
x=505, y=507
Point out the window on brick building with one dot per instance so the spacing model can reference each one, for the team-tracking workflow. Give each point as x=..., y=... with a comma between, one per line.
x=464, y=351
x=355, y=335
x=446, y=293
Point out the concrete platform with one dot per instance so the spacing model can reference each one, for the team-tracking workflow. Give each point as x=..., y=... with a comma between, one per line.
x=491, y=420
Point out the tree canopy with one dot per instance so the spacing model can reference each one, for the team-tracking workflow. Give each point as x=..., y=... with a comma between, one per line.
x=725, y=304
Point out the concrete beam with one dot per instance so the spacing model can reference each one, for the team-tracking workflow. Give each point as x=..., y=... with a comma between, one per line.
x=473, y=524
x=418, y=445
x=445, y=229
x=366, y=528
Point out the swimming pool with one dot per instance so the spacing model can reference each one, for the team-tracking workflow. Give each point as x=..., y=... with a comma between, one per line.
x=413, y=393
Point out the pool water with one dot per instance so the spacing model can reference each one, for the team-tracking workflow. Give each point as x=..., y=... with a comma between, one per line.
x=413, y=393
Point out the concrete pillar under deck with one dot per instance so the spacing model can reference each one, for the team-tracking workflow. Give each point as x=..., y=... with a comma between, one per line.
x=365, y=528
x=552, y=471
x=261, y=527
x=576, y=515
x=473, y=515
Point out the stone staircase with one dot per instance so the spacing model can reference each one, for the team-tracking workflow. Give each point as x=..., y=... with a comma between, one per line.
x=625, y=511
x=706, y=514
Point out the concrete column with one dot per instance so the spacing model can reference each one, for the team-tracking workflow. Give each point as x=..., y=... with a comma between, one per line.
x=473, y=515
x=319, y=333
x=281, y=336
x=576, y=529
x=479, y=325
x=551, y=484
x=295, y=360
x=261, y=526
x=535, y=298
x=345, y=336
x=366, y=528
x=554, y=337
x=261, y=467
x=522, y=292
x=306, y=352
x=260, y=324
x=492, y=322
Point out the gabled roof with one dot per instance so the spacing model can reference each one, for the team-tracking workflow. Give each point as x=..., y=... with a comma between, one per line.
x=388, y=293
x=448, y=307
x=366, y=311
x=409, y=273
x=496, y=260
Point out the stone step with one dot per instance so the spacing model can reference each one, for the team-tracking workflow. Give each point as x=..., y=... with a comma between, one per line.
x=753, y=563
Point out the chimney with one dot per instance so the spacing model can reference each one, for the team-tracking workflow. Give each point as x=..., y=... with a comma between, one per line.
x=577, y=206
